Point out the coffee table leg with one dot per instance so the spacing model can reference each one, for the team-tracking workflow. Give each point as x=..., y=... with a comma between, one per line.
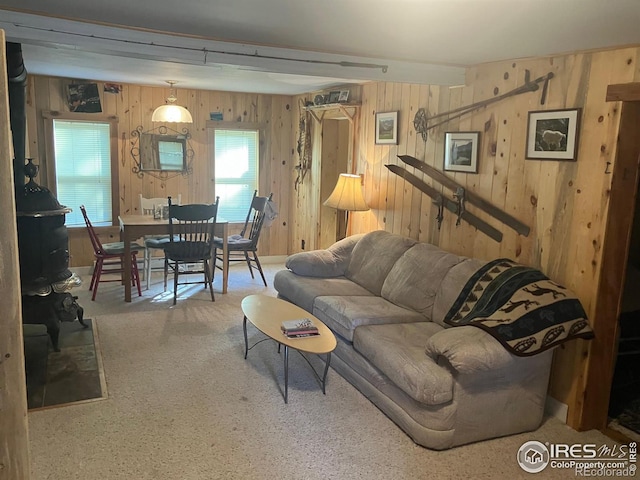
x=326, y=370
x=246, y=341
x=286, y=373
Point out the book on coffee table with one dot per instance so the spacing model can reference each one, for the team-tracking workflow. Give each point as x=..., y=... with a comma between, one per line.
x=298, y=328
x=301, y=334
x=300, y=324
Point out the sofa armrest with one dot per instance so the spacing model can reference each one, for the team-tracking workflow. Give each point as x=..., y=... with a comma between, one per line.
x=332, y=262
x=468, y=349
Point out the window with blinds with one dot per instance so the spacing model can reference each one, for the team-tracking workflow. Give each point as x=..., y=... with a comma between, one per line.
x=236, y=171
x=83, y=169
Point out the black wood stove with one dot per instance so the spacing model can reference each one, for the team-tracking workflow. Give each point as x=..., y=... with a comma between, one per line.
x=43, y=244
x=43, y=240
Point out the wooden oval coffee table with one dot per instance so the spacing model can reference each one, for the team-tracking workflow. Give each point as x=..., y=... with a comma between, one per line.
x=268, y=313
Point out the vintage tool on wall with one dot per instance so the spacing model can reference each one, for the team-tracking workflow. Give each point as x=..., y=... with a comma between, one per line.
x=303, y=147
x=470, y=197
x=442, y=202
x=422, y=121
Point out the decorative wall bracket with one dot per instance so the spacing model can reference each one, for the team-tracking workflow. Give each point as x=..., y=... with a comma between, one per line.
x=142, y=167
x=333, y=111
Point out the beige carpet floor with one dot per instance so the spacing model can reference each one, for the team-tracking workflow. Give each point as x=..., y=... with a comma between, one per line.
x=184, y=404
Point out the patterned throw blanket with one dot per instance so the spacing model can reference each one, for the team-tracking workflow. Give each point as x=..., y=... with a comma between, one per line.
x=520, y=307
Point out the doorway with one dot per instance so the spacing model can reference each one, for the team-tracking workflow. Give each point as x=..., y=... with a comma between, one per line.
x=624, y=399
x=335, y=152
x=602, y=357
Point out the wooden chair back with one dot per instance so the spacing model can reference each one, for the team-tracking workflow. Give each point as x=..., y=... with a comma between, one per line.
x=191, y=231
x=95, y=241
x=255, y=219
x=147, y=205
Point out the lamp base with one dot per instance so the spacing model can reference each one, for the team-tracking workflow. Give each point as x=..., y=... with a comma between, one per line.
x=342, y=224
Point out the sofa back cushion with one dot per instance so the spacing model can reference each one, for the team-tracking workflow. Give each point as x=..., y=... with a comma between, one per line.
x=373, y=257
x=414, y=280
x=331, y=262
x=450, y=288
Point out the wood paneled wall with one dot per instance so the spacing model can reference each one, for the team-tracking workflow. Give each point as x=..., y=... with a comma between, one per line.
x=564, y=203
x=133, y=107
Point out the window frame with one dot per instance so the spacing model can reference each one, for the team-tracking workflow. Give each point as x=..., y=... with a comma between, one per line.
x=50, y=173
x=212, y=126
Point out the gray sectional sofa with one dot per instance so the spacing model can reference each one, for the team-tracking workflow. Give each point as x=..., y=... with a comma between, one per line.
x=385, y=297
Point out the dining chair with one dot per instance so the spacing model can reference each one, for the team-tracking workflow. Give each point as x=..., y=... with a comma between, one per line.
x=151, y=242
x=191, y=229
x=241, y=245
x=109, y=259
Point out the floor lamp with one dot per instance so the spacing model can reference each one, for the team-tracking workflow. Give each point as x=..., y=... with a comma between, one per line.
x=347, y=196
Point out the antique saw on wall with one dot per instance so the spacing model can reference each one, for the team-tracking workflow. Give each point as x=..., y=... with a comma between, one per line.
x=423, y=123
x=470, y=197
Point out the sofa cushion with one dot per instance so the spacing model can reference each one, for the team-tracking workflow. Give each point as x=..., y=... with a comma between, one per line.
x=469, y=350
x=373, y=256
x=398, y=352
x=450, y=288
x=303, y=290
x=415, y=278
x=344, y=313
x=331, y=262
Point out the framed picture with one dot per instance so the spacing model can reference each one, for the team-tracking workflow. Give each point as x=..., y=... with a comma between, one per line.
x=387, y=128
x=553, y=134
x=461, y=151
x=334, y=97
x=84, y=98
x=112, y=88
x=344, y=96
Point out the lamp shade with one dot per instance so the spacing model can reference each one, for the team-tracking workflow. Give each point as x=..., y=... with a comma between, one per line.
x=171, y=113
x=347, y=194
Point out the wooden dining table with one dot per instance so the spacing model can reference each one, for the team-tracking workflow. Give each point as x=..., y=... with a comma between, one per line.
x=133, y=227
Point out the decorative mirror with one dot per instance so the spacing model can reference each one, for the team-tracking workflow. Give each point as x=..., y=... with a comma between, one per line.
x=161, y=152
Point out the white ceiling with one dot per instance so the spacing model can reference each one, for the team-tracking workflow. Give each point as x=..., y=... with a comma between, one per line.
x=297, y=46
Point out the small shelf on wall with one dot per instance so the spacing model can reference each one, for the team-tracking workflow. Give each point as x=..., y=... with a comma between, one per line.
x=334, y=111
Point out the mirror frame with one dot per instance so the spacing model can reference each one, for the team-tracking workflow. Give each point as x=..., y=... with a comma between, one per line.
x=146, y=142
x=151, y=158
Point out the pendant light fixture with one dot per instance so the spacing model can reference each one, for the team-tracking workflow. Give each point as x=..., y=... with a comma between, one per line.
x=171, y=112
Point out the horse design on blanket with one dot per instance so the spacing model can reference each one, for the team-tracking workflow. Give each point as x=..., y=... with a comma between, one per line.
x=519, y=306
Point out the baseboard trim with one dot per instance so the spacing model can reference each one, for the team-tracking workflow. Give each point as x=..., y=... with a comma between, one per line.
x=268, y=260
x=557, y=409
x=88, y=270
x=273, y=259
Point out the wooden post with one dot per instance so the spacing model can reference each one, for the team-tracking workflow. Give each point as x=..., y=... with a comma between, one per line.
x=592, y=411
x=14, y=440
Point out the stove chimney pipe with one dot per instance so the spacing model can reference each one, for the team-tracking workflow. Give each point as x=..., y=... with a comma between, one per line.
x=17, y=76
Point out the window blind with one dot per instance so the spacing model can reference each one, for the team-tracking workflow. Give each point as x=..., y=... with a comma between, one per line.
x=236, y=171
x=83, y=169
